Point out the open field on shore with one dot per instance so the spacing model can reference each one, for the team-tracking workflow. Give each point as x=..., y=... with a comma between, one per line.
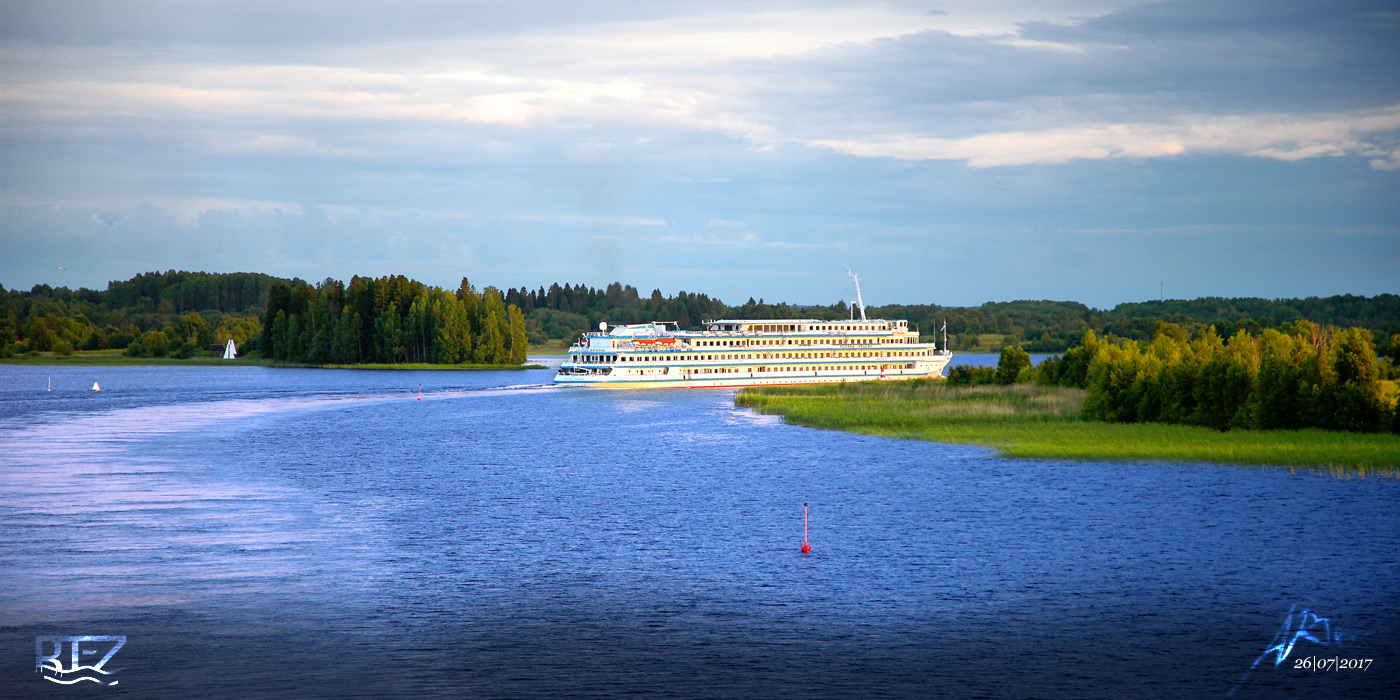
x=1029, y=421
x=552, y=347
x=115, y=357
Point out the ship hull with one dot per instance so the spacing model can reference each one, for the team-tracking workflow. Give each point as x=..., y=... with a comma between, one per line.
x=928, y=370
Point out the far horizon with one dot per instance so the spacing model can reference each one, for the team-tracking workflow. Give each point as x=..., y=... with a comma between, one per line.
x=728, y=302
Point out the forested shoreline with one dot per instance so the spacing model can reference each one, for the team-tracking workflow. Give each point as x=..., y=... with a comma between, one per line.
x=1299, y=376
x=391, y=320
x=176, y=313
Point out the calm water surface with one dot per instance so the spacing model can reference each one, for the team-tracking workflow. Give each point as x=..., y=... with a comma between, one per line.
x=284, y=533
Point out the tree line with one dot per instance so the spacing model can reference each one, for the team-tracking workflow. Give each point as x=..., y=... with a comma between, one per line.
x=235, y=306
x=1301, y=375
x=562, y=312
x=155, y=313
x=391, y=319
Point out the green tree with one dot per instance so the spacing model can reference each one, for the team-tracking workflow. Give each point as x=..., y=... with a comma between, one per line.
x=1359, y=404
x=967, y=375
x=240, y=329
x=277, y=336
x=1014, y=360
x=454, y=335
x=156, y=343
x=1224, y=383
x=491, y=346
x=517, y=340
x=346, y=343
x=1274, y=404
x=388, y=340
x=1074, y=366
x=192, y=328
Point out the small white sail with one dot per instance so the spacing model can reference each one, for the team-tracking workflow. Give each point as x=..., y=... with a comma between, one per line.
x=230, y=350
x=95, y=387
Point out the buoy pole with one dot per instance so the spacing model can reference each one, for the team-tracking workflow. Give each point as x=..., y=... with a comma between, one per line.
x=420, y=392
x=805, y=546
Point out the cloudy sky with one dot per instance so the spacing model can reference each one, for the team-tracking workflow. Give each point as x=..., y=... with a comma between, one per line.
x=952, y=152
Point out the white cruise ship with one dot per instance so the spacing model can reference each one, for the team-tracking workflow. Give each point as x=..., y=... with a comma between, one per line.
x=735, y=353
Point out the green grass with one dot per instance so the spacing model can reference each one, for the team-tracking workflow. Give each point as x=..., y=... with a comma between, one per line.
x=987, y=343
x=1029, y=421
x=115, y=357
x=552, y=347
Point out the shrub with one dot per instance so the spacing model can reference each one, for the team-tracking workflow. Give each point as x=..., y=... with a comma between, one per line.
x=964, y=375
x=156, y=343
x=1014, y=359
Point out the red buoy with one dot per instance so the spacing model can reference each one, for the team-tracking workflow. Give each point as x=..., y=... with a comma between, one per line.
x=420, y=392
x=805, y=546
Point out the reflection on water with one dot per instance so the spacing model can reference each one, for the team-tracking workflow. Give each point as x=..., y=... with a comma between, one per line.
x=327, y=531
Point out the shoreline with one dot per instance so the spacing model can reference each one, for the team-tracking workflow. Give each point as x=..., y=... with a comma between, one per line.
x=1029, y=422
x=109, y=358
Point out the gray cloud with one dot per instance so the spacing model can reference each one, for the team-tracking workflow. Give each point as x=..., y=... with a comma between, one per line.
x=546, y=141
x=1146, y=64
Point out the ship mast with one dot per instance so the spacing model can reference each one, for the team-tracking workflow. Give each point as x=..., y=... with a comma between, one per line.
x=859, y=301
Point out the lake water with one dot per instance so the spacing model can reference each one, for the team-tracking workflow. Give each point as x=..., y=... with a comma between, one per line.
x=286, y=533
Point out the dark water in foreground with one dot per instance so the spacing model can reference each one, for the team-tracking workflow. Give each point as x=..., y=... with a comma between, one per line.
x=290, y=533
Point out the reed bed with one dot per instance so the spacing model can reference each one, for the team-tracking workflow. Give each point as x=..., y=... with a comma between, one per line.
x=1028, y=421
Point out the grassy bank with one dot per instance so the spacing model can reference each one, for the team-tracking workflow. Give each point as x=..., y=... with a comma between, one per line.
x=552, y=347
x=116, y=358
x=1029, y=421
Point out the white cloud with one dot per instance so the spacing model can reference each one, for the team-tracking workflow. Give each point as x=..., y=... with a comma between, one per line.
x=587, y=220
x=1389, y=161
x=188, y=211
x=750, y=241
x=1277, y=136
x=728, y=72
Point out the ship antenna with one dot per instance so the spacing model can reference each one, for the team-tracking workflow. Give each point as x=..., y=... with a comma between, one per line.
x=859, y=301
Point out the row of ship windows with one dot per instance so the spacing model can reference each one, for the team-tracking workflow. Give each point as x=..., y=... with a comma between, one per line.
x=812, y=368
x=789, y=327
x=608, y=359
x=803, y=341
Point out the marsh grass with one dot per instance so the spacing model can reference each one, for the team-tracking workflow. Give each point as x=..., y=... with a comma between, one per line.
x=1023, y=420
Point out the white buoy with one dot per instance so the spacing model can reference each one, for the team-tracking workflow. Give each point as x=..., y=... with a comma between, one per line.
x=95, y=387
x=50, y=383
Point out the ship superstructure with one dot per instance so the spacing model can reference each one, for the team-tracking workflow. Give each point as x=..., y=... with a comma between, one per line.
x=738, y=352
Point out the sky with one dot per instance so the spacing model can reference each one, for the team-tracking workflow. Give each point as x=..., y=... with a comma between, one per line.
x=950, y=152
